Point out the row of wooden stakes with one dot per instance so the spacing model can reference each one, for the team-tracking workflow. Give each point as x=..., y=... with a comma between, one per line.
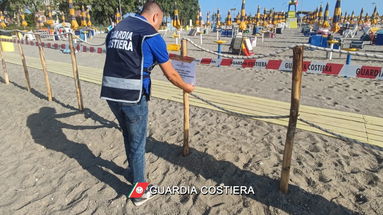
x=44, y=68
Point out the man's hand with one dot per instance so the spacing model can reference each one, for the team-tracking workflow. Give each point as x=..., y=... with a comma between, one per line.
x=189, y=88
x=173, y=76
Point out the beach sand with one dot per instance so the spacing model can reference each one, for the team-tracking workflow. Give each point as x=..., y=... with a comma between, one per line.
x=56, y=160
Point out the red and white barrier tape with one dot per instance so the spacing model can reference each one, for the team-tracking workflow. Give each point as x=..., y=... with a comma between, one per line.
x=344, y=70
x=78, y=47
x=336, y=69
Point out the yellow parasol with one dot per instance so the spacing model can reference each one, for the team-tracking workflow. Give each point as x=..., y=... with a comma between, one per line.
x=320, y=15
x=72, y=15
x=242, y=25
x=337, y=17
x=2, y=20
x=258, y=17
x=374, y=17
x=83, y=17
x=23, y=22
x=208, y=23
x=218, y=21
x=89, y=23
x=229, y=21
x=50, y=21
x=176, y=19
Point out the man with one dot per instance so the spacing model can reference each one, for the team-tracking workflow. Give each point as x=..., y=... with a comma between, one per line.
x=134, y=47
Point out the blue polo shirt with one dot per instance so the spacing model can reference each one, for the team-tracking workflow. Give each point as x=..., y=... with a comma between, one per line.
x=155, y=52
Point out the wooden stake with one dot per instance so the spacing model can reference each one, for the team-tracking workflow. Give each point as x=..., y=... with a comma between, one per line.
x=294, y=110
x=186, y=150
x=5, y=71
x=75, y=73
x=44, y=66
x=24, y=61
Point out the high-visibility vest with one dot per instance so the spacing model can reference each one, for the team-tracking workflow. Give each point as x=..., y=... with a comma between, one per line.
x=124, y=65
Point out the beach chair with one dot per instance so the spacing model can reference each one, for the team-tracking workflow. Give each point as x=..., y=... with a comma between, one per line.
x=358, y=44
x=351, y=32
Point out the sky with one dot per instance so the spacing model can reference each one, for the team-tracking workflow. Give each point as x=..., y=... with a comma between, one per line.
x=282, y=5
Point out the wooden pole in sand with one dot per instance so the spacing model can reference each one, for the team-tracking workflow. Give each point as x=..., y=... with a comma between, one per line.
x=44, y=67
x=75, y=73
x=5, y=71
x=294, y=110
x=23, y=60
x=186, y=151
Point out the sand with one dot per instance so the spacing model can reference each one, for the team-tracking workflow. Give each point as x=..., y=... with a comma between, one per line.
x=56, y=160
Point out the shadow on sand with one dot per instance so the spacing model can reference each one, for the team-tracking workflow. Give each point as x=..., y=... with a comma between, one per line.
x=297, y=201
x=46, y=122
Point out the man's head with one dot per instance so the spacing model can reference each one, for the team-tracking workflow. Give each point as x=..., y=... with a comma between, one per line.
x=153, y=13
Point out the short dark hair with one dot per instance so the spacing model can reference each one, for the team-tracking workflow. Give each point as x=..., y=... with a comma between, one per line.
x=151, y=6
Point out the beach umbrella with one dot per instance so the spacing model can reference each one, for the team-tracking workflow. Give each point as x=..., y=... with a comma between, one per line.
x=176, y=19
x=218, y=21
x=337, y=17
x=258, y=17
x=73, y=22
x=50, y=21
x=320, y=15
x=316, y=15
x=39, y=22
x=242, y=25
x=360, y=18
x=23, y=22
x=2, y=20
x=83, y=17
x=197, y=21
x=367, y=19
x=344, y=18
x=374, y=17
x=274, y=18
x=200, y=18
x=265, y=18
x=118, y=17
x=89, y=23
x=208, y=23
x=229, y=21
x=352, y=17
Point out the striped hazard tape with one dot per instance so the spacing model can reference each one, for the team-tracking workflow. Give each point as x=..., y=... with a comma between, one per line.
x=78, y=47
x=316, y=67
x=344, y=70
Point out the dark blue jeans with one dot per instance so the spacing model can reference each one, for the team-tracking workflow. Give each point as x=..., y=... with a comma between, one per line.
x=133, y=119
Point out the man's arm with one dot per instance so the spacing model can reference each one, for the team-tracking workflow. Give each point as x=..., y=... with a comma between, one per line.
x=173, y=76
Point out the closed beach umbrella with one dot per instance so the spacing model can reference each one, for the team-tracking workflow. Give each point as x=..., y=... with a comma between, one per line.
x=242, y=25
x=176, y=19
x=23, y=22
x=39, y=22
x=197, y=21
x=345, y=18
x=374, y=17
x=320, y=15
x=367, y=19
x=200, y=18
x=352, y=17
x=360, y=18
x=208, y=23
x=258, y=17
x=73, y=21
x=218, y=21
x=229, y=19
x=118, y=17
x=337, y=17
x=2, y=20
x=50, y=21
x=89, y=23
x=83, y=17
